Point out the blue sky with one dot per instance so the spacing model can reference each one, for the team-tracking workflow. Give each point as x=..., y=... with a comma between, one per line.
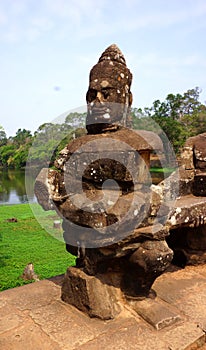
x=47, y=48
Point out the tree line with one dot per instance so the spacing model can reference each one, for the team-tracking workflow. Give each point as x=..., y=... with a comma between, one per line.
x=177, y=117
x=48, y=139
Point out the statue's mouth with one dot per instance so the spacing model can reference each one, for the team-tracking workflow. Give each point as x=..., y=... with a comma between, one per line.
x=102, y=112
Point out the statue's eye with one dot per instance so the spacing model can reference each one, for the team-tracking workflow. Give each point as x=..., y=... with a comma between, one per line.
x=91, y=95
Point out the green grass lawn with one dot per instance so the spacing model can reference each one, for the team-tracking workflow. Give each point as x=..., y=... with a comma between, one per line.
x=26, y=241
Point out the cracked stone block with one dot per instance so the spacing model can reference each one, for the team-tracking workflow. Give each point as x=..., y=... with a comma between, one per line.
x=159, y=314
x=90, y=295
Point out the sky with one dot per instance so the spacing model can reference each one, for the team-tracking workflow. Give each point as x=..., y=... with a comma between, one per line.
x=47, y=48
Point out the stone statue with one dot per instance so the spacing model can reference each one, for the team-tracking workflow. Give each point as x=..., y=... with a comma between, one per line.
x=109, y=96
x=102, y=191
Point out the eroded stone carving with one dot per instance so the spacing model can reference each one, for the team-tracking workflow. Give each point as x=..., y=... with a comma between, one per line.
x=196, y=150
x=109, y=96
x=102, y=190
x=187, y=220
x=114, y=220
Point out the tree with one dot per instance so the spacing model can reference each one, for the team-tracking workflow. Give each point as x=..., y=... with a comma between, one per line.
x=190, y=101
x=51, y=138
x=200, y=120
x=6, y=152
x=46, y=141
x=22, y=137
x=3, y=138
x=19, y=159
x=179, y=116
x=76, y=120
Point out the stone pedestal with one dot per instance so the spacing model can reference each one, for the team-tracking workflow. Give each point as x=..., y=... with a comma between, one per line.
x=104, y=282
x=91, y=294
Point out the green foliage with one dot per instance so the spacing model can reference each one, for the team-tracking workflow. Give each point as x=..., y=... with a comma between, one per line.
x=19, y=158
x=14, y=153
x=173, y=129
x=6, y=152
x=76, y=120
x=51, y=138
x=46, y=142
x=24, y=242
x=22, y=137
x=178, y=117
x=3, y=139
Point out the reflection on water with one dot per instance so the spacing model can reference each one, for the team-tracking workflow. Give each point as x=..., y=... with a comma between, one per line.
x=12, y=187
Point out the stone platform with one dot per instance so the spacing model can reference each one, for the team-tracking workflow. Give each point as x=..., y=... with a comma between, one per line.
x=33, y=317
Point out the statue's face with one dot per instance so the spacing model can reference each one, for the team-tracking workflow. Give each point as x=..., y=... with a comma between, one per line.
x=108, y=96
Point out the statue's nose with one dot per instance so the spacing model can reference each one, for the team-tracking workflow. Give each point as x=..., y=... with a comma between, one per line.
x=99, y=96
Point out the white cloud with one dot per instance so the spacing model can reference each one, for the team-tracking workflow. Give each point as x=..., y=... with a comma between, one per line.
x=90, y=19
x=108, y=19
x=32, y=19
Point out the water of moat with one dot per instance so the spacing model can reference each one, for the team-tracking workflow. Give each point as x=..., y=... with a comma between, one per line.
x=13, y=189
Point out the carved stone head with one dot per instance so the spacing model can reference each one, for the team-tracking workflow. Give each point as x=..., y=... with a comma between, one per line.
x=109, y=96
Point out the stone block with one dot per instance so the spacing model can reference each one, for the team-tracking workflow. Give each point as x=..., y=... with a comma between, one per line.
x=174, y=287
x=25, y=297
x=131, y=335
x=64, y=325
x=28, y=336
x=184, y=336
x=11, y=318
x=188, y=211
x=156, y=312
x=90, y=295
